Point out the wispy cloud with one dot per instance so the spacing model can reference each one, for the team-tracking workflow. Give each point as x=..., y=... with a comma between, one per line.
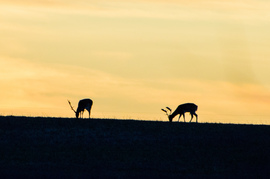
x=214, y=9
x=34, y=89
x=135, y=57
x=31, y=85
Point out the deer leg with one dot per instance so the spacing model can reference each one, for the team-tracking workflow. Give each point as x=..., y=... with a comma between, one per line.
x=88, y=108
x=196, y=117
x=82, y=114
x=88, y=112
x=179, y=117
x=184, y=117
x=191, y=117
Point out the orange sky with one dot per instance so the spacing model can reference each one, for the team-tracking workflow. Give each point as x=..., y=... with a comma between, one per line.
x=135, y=57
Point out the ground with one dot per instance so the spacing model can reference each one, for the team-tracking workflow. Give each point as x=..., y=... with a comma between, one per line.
x=104, y=148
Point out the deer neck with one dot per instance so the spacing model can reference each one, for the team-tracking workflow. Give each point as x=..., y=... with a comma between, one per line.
x=174, y=114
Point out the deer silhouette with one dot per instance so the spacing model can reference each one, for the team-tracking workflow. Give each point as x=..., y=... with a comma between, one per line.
x=82, y=105
x=181, y=110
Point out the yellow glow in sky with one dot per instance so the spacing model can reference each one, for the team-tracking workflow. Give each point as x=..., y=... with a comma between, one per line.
x=133, y=58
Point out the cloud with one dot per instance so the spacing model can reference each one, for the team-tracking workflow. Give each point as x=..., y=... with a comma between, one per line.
x=135, y=57
x=24, y=83
x=40, y=89
x=232, y=10
x=37, y=86
x=106, y=55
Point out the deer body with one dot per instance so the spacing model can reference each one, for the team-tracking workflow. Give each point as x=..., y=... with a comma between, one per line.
x=181, y=110
x=82, y=105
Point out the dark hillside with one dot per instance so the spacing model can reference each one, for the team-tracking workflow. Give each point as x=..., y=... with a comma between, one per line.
x=99, y=148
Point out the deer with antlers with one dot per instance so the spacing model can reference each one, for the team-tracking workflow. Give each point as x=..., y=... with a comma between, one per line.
x=82, y=105
x=181, y=110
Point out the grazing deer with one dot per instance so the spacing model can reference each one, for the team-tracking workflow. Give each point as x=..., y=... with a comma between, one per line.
x=82, y=105
x=181, y=110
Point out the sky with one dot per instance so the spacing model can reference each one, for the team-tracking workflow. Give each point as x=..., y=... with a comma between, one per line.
x=134, y=57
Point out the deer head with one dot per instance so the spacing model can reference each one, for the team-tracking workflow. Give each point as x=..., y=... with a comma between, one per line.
x=166, y=111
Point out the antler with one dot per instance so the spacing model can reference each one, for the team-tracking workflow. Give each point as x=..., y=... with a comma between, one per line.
x=71, y=106
x=169, y=109
x=165, y=111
